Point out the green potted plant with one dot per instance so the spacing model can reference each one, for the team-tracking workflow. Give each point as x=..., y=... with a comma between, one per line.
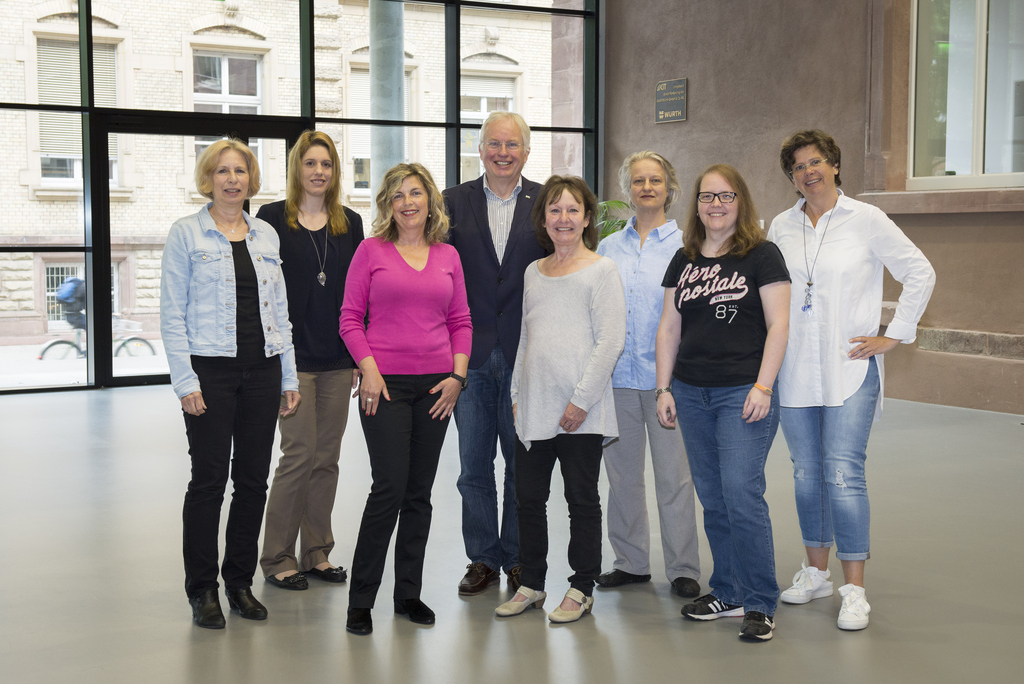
x=607, y=222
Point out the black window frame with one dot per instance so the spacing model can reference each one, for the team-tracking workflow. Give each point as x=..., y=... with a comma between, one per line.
x=99, y=122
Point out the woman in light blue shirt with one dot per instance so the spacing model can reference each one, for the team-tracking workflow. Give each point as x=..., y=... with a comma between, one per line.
x=224, y=323
x=642, y=251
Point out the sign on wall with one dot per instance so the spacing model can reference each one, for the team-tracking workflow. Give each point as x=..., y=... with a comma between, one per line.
x=670, y=101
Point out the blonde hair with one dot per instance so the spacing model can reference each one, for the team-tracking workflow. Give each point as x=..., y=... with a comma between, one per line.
x=209, y=159
x=671, y=180
x=748, y=231
x=384, y=227
x=337, y=222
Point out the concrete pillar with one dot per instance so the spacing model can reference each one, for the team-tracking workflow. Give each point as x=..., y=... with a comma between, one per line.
x=387, y=86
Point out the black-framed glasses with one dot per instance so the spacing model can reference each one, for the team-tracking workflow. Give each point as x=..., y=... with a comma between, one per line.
x=709, y=197
x=811, y=164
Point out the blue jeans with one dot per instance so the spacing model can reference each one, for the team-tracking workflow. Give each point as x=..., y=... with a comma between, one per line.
x=727, y=457
x=828, y=446
x=483, y=416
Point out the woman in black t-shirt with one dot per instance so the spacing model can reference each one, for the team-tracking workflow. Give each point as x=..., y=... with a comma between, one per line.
x=720, y=344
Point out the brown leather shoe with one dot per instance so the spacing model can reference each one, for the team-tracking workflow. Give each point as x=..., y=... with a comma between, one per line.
x=512, y=578
x=478, y=578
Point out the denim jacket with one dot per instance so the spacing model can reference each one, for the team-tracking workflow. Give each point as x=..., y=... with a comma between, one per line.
x=197, y=297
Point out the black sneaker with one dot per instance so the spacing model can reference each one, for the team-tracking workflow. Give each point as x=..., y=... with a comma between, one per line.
x=756, y=626
x=707, y=607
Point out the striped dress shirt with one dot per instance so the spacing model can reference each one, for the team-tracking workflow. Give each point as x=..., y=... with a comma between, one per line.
x=499, y=216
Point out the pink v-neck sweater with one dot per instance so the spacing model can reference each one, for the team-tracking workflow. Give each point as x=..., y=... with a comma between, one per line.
x=417, y=319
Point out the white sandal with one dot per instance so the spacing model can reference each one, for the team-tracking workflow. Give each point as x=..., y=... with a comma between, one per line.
x=586, y=605
x=534, y=599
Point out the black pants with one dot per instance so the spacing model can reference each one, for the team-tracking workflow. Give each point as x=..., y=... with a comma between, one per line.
x=580, y=459
x=404, y=444
x=242, y=401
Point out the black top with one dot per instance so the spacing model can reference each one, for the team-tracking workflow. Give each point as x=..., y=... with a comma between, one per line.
x=248, y=326
x=314, y=309
x=723, y=331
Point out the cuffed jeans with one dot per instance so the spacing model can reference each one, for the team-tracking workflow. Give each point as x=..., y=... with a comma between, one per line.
x=242, y=401
x=636, y=412
x=828, y=446
x=579, y=457
x=727, y=459
x=306, y=480
x=483, y=416
x=404, y=444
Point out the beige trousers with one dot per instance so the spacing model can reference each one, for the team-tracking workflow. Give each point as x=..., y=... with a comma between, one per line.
x=302, y=494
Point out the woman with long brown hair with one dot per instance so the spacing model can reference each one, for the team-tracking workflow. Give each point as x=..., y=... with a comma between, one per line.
x=318, y=238
x=720, y=344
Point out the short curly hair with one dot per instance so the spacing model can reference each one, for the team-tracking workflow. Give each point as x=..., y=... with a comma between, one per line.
x=825, y=143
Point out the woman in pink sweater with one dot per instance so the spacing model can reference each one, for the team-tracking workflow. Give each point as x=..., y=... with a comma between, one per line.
x=413, y=355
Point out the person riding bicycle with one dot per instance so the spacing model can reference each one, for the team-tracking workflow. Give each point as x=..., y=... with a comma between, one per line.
x=71, y=295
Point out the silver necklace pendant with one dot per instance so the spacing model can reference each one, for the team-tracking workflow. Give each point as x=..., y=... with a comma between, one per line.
x=321, y=278
x=806, y=308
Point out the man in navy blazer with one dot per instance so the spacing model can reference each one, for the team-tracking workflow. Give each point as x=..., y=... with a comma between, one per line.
x=492, y=232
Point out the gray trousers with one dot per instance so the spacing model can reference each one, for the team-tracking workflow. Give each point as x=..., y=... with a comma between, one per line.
x=306, y=480
x=628, y=529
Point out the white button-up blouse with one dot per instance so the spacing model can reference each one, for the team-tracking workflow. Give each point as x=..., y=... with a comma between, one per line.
x=846, y=297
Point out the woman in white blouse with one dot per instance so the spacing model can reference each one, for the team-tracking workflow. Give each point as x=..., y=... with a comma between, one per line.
x=831, y=380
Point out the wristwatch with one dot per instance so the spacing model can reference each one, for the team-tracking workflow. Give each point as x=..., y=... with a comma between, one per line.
x=464, y=381
x=661, y=390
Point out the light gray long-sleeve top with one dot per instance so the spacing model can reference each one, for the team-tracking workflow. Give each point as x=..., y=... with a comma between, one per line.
x=574, y=328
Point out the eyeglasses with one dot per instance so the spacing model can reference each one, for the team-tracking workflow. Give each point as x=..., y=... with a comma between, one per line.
x=812, y=165
x=511, y=145
x=709, y=197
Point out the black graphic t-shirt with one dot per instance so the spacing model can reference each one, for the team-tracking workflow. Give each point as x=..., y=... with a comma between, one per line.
x=721, y=341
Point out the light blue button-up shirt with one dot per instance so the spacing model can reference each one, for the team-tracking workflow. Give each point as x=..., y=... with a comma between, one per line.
x=197, y=297
x=642, y=270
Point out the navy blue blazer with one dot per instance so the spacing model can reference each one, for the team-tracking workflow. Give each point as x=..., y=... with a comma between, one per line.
x=297, y=283
x=495, y=290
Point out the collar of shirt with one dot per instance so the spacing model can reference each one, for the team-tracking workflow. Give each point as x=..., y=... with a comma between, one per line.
x=663, y=231
x=207, y=223
x=491, y=195
x=842, y=204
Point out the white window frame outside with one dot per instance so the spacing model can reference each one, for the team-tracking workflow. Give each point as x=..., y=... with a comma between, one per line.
x=76, y=269
x=977, y=179
x=62, y=189
x=265, y=52
x=481, y=115
x=361, y=62
x=225, y=100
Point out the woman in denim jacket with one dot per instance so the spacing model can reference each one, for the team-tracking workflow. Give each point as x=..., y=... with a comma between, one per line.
x=224, y=322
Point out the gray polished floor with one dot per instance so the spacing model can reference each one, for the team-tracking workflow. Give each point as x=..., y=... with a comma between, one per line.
x=90, y=501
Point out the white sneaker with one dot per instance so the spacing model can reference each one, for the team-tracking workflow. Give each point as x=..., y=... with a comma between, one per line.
x=809, y=583
x=854, y=613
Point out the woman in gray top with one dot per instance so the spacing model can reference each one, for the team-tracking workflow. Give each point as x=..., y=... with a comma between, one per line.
x=574, y=327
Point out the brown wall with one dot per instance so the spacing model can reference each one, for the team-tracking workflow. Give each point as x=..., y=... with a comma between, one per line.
x=758, y=72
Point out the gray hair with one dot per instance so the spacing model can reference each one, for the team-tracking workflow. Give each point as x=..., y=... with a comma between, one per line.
x=671, y=181
x=495, y=117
